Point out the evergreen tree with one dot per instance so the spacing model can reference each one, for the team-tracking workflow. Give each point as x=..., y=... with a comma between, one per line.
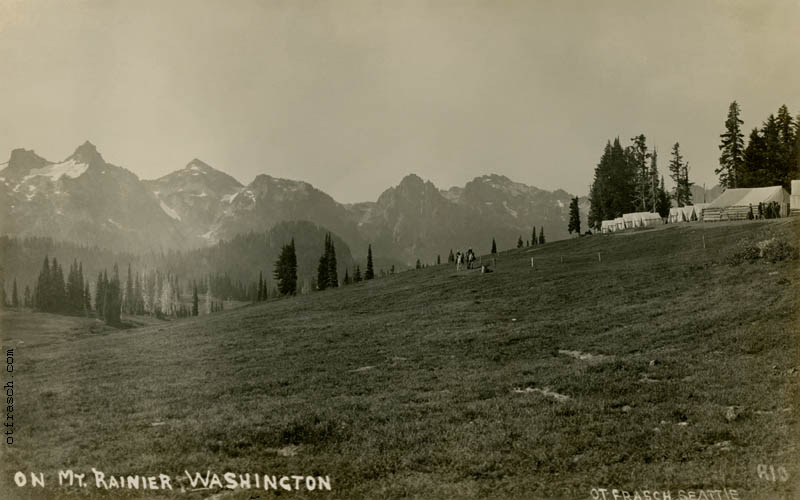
x=574, y=216
x=130, y=299
x=44, y=295
x=113, y=302
x=346, y=280
x=99, y=296
x=58, y=288
x=438, y=259
x=451, y=258
x=195, y=301
x=419, y=264
x=679, y=173
x=369, y=273
x=87, y=298
x=14, y=295
x=322, y=268
x=653, y=187
x=494, y=246
x=333, y=274
x=787, y=156
x=664, y=202
x=731, y=159
x=533, y=236
x=357, y=275
x=541, y=235
x=637, y=156
x=519, y=241
x=26, y=297
x=285, y=271
x=754, y=171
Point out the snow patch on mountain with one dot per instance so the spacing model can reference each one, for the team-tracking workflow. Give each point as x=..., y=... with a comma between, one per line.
x=510, y=210
x=70, y=168
x=169, y=211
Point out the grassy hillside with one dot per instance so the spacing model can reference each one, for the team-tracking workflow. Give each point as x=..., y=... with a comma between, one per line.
x=437, y=384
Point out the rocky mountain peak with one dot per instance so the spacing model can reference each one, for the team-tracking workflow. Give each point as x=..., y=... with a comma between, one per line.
x=24, y=160
x=87, y=153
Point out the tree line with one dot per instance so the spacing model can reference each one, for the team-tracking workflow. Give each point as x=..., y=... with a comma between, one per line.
x=772, y=154
x=628, y=180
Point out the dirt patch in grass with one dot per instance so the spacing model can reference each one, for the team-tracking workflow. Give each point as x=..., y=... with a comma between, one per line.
x=547, y=392
x=585, y=356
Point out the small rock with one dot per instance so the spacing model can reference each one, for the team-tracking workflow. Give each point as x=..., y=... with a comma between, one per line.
x=663, y=422
x=723, y=445
x=288, y=451
x=653, y=362
x=791, y=371
x=626, y=409
x=683, y=424
x=731, y=414
x=513, y=319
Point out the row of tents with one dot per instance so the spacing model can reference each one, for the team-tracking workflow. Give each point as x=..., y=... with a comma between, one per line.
x=732, y=204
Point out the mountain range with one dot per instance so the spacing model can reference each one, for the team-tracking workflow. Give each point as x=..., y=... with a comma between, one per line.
x=87, y=200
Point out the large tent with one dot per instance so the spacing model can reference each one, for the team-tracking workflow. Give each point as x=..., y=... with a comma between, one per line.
x=632, y=220
x=641, y=219
x=651, y=219
x=698, y=209
x=607, y=226
x=735, y=203
x=675, y=215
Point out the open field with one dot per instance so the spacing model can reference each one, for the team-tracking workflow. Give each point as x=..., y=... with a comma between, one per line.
x=659, y=367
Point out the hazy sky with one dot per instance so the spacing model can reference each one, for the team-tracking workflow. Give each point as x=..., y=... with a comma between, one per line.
x=352, y=95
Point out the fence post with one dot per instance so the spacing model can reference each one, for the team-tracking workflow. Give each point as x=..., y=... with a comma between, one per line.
x=531, y=261
x=598, y=257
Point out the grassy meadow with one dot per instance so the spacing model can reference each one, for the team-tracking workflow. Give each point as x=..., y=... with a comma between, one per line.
x=657, y=366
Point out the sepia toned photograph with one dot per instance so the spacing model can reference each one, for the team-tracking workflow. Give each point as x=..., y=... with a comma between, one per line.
x=400, y=249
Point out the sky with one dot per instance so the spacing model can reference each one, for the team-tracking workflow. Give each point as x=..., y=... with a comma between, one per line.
x=353, y=95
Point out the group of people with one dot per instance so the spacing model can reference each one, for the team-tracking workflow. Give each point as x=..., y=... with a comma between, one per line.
x=463, y=258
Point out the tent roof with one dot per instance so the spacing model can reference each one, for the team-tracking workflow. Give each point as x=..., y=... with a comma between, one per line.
x=750, y=196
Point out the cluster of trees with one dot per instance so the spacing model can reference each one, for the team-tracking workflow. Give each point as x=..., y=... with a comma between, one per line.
x=772, y=154
x=52, y=293
x=327, y=274
x=627, y=180
x=285, y=270
x=108, y=297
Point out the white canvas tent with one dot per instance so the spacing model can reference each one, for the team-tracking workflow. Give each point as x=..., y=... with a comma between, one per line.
x=651, y=219
x=698, y=210
x=607, y=226
x=735, y=204
x=688, y=213
x=744, y=197
x=619, y=224
x=675, y=215
x=632, y=220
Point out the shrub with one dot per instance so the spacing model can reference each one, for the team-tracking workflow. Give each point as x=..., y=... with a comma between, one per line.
x=774, y=250
x=771, y=250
